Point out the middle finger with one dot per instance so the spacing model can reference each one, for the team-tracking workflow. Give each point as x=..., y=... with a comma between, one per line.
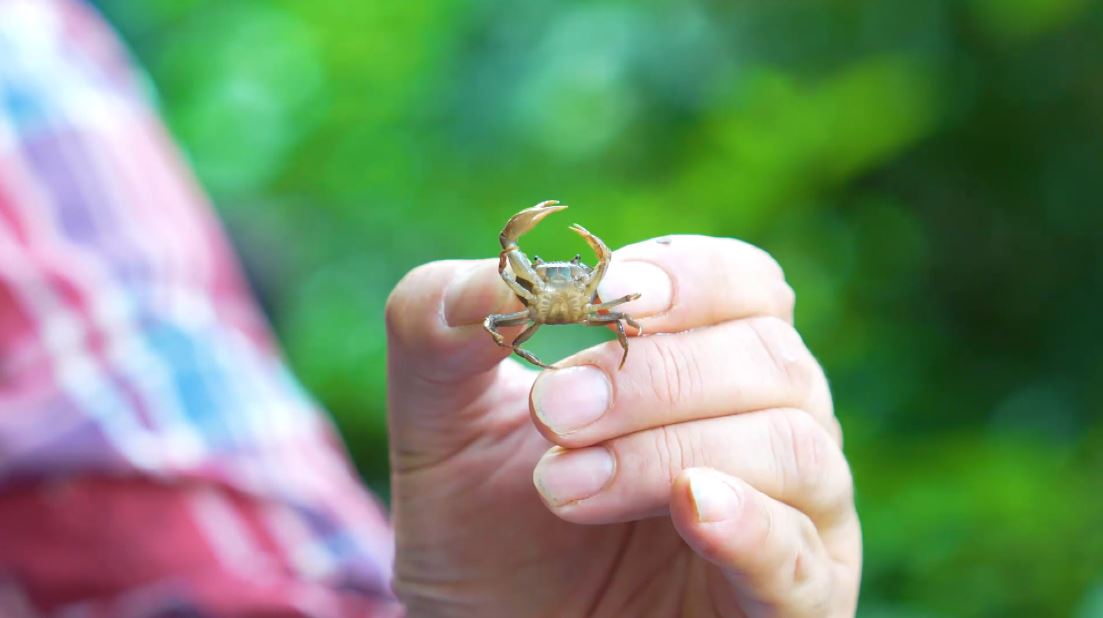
x=729, y=368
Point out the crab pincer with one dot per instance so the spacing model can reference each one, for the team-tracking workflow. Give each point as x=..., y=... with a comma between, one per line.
x=527, y=219
x=520, y=223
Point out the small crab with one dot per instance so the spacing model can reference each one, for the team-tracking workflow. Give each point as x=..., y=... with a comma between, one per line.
x=554, y=292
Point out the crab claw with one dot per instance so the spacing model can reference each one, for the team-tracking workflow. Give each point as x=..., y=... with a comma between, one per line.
x=600, y=250
x=525, y=220
x=603, y=257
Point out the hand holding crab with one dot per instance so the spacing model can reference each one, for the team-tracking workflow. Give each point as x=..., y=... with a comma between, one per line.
x=554, y=292
x=708, y=473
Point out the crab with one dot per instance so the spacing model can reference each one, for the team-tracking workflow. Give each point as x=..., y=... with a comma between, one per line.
x=554, y=292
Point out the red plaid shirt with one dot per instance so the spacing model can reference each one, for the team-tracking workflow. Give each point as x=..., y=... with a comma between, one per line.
x=156, y=458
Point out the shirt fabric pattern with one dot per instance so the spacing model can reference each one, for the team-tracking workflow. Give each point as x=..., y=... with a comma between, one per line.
x=156, y=457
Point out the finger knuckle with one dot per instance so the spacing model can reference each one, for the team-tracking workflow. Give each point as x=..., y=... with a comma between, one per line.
x=840, y=493
x=674, y=375
x=784, y=350
x=769, y=262
x=736, y=254
x=809, y=462
x=792, y=571
x=799, y=450
x=673, y=451
x=764, y=533
x=809, y=586
x=785, y=299
x=803, y=562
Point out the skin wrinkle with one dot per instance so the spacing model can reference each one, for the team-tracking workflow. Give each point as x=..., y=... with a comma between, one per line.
x=671, y=389
x=805, y=472
x=778, y=442
x=694, y=386
x=820, y=497
x=669, y=364
x=676, y=552
x=807, y=454
x=801, y=573
x=803, y=569
x=666, y=388
x=683, y=365
x=828, y=510
x=485, y=400
x=668, y=443
x=813, y=585
x=834, y=482
x=481, y=397
x=618, y=559
x=511, y=456
x=828, y=522
x=692, y=570
x=779, y=364
x=714, y=599
x=652, y=378
x=802, y=386
x=763, y=538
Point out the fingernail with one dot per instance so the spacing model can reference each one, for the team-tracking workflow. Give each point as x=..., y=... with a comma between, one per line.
x=651, y=282
x=569, y=399
x=474, y=295
x=564, y=476
x=713, y=499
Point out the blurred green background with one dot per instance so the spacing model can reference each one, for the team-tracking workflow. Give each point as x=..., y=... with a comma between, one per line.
x=929, y=173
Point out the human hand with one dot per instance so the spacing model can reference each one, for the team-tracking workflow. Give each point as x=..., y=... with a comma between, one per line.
x=705, y=478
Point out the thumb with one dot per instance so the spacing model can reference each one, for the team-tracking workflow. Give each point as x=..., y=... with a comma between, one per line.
x=769, y=553
x=442, y=366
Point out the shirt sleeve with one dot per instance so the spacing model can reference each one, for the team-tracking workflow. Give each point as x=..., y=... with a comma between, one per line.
x=156, y=457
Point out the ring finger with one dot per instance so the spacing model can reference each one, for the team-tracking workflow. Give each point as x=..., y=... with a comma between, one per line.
x=734, y=367
x=781, y=452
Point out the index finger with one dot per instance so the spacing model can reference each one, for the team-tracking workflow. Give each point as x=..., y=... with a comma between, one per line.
x=692, y=281
x=685, y=282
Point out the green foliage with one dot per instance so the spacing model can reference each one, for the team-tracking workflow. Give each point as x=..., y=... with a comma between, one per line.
x=927, y=172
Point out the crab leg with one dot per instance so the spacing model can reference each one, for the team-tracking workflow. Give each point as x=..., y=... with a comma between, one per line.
x=518, y=289
x=593, y=311
x=494, y=320
x=594, y=308
x=525, y=354
x=613, y=316
x=619, y=319
x=603, y=256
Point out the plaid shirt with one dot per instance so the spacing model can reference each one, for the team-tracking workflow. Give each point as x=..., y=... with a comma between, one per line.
x=156, y=458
